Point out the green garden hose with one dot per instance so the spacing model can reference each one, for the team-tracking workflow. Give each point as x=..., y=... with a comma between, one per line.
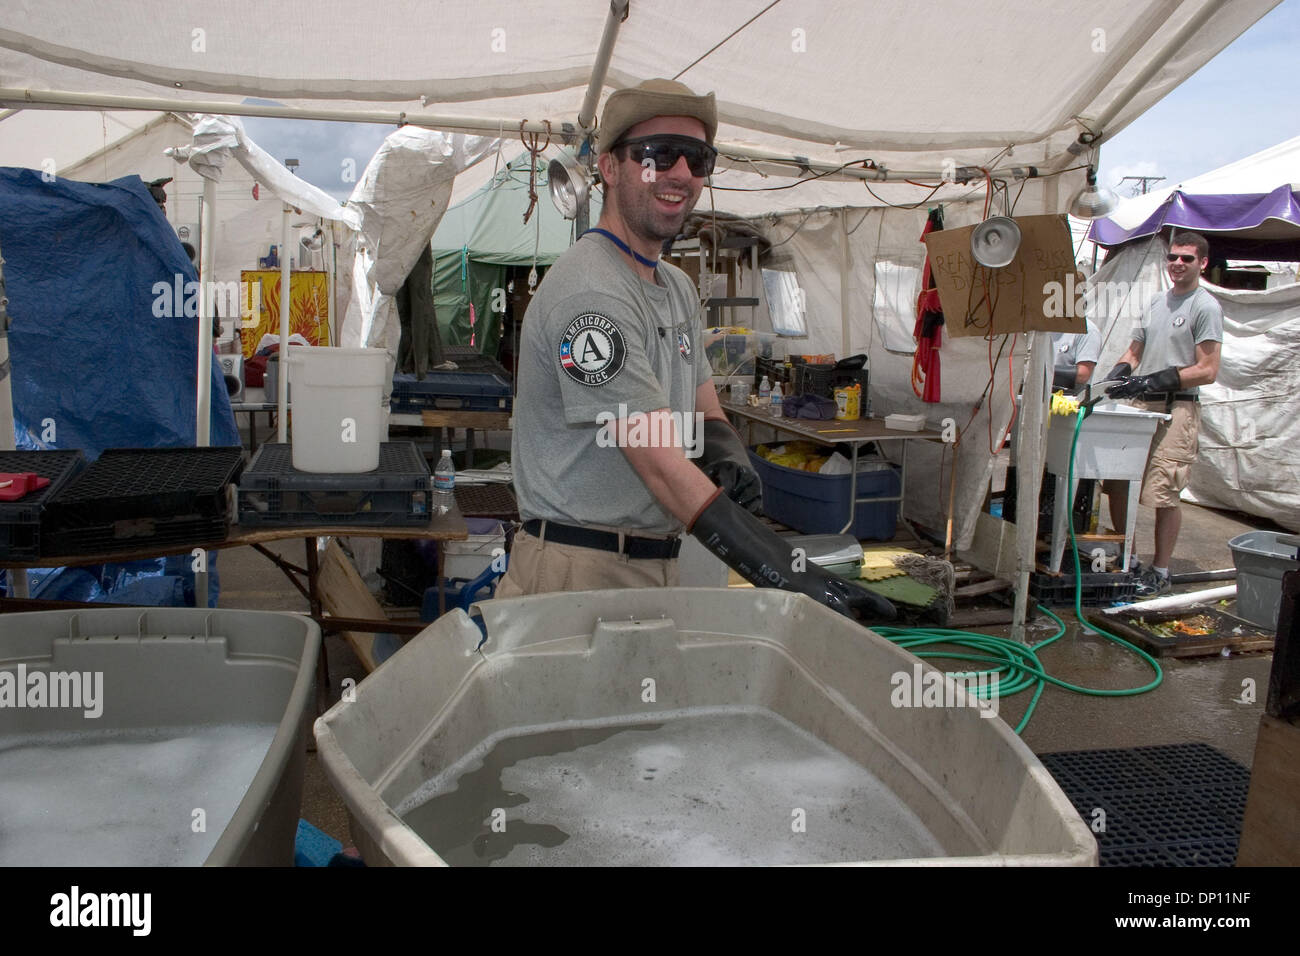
x=1017, y=665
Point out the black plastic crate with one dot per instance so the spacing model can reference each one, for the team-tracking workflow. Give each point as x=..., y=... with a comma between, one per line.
x=814, y=380
x=20, y=521
x=131, y=534
x=452, y=391
x=1099, y=590
x=273, y=492
x=134, y=497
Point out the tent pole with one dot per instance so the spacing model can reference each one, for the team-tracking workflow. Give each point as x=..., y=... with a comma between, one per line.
x=282, y=379
x=613, y=19
x=17, y=576
x=1029, y=473
x=333, y=266
x=207, y=257
x=774, y=163
x=845, y=267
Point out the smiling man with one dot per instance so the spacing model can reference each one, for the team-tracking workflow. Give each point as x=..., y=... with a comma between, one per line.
x=611, y=344
x=1178, y=339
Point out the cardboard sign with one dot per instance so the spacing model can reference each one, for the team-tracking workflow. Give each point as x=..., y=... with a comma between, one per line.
x=1025, y=296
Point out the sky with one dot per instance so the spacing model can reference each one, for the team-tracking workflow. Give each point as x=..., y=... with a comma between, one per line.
x=1244, y=100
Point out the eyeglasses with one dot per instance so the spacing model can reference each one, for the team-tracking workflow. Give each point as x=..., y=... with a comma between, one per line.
x=666, y=149
x=1182, y=257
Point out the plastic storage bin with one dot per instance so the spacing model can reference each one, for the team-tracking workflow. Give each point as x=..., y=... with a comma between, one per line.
x=195, y=709
x=558, y=685
x=731, y=353
x=819, y=504
x=469, y=558
x=338, y=398
x=1261, y=558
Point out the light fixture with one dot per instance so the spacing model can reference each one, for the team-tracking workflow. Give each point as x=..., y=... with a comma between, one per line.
x=1093, y=201
x=995, y=241
x=569, y=185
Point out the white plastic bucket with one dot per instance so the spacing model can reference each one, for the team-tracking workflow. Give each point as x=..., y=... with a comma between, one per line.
x=337, y=408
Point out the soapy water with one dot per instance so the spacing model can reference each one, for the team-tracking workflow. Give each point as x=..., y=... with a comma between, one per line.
x=722, y=786
x=123, y=797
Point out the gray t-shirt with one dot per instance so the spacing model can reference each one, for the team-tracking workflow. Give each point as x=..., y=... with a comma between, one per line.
x=1172, y=326
x=600, y=343
x=1075, y=347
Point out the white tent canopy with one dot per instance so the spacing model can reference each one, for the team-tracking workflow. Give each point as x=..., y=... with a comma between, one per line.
x=908, y=88
x=890, y=88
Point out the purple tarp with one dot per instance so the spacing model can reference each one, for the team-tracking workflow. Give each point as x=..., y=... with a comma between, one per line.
x=1273, y=217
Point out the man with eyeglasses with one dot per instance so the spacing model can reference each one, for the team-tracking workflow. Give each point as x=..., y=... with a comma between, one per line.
x=609, y=464
x=1179, y=338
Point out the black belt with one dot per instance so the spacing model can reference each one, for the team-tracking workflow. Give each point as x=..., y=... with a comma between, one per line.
x=639, y=548
x=1172, y=397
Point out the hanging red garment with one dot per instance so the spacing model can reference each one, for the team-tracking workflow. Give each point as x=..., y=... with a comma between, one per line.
x=929, y=325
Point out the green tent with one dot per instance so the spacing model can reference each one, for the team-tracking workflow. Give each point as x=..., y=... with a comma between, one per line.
x=479, y=237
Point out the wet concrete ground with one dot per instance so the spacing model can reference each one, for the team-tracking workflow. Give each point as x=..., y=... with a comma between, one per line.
x=1198, y=701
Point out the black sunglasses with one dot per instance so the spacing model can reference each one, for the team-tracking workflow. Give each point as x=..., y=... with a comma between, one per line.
x=1172, y=257
x=665, y=149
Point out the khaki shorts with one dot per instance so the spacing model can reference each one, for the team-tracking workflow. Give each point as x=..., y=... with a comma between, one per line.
x=1173, y=450
x=538, y=567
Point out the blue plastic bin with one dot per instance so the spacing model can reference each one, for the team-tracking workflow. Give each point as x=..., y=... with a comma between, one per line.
x=819, y=504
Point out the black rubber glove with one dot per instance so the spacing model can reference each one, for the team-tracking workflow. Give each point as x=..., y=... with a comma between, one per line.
x=1119, y=373
x=724, y=459
x=764, y=560
x=1065, y=376
x=1165, y=380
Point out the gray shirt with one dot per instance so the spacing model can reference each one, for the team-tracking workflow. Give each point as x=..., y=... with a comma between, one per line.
x=1173, y=325
x=1075, y=347
x=600, y=343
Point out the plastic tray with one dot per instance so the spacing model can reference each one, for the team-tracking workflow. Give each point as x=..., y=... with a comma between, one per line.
x=272, y=492
x=20, y=521
x=452, y=391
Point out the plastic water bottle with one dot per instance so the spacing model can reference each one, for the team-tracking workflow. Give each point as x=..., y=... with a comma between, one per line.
x=776, y=400
x=444, y=480
x=765, y=392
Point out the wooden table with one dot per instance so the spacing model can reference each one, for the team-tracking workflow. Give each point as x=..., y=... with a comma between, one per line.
x=854, y=434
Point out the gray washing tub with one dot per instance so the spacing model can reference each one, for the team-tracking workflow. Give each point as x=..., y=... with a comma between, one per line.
x=195, y=757
x=679, y=726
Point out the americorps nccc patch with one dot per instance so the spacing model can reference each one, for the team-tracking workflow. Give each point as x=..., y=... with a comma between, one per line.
x=592, y=350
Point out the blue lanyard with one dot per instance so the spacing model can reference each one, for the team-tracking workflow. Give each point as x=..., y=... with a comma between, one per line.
x=651, y=263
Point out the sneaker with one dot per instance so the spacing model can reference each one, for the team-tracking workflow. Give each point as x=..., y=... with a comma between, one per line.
x=1151, y=582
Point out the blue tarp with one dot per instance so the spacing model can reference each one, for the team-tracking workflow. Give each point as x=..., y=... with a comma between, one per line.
x=83, y=263
x=101, y=356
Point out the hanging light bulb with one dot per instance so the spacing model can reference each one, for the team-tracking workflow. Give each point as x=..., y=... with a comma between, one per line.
x=1093, y=201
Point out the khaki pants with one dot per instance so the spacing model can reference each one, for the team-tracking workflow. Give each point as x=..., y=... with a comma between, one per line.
x=1173, y=451
x=538, y=567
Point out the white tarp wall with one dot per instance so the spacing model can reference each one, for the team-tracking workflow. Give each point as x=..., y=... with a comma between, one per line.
x=1250, y=431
